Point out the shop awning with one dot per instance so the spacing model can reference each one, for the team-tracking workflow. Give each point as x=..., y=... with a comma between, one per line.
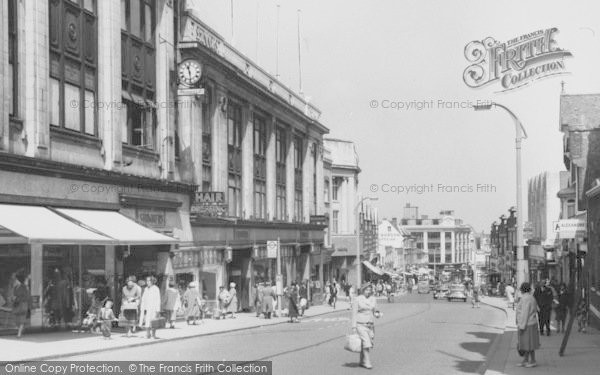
x=372, y=268
x=121, y=229
x=37, y=224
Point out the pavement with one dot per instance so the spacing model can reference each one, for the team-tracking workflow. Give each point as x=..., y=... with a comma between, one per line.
x=55, y=345
x=580, y=356
x=61, y=344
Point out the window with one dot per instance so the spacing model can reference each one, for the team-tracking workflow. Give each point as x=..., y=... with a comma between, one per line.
x=326, y=191
x=260, y=167
x=334, y=221
x=315, y=159
x=207, y=141
x=280, y=173
x=570, y=208
x=13, y=78
x=138, y=72
x=298, y=153
x=336, y=186
x=73, y=65
x=234, y=159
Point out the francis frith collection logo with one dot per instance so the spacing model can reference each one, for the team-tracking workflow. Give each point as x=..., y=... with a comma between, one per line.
x=514, y=63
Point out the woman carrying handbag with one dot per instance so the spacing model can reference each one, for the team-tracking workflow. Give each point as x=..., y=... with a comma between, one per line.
x=527, y=322
x=364, y=310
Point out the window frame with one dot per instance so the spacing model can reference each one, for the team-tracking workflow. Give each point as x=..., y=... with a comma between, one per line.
x=281, y=150
x=335, y=224
x=234, y=158
x=298, y=178
x=259, y=149
x=57, y=67
x=139, y=84
x=13, y=55
x=207, y=155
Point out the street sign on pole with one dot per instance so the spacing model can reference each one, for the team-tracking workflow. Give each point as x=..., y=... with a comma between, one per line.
x=272, y=249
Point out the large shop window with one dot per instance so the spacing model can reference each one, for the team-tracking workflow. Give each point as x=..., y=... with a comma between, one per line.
x=73, y=65
x=234, y=159
x=13, y=57
x=298, y=159
x=74, y=283
x=260, y=167
x=280, y=173
x=207, y=140
x=14, y=260
x=138, y=69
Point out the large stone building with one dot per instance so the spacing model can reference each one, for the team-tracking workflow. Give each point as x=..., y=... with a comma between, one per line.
x=446, y=240
x=135, y=140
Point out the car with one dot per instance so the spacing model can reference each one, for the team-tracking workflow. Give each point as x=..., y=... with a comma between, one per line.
x=457, y=291
x=441, y=291
x=423, y=287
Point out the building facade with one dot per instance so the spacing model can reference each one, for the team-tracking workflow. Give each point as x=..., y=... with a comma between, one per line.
x=135, y=112
x=446, y=241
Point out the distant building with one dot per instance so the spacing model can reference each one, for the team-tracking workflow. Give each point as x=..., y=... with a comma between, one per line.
x=445, y=240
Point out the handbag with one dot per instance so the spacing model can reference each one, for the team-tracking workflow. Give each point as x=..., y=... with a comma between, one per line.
x=303, y=302
x=353, y=343
x=521, y=352
x=158, y=322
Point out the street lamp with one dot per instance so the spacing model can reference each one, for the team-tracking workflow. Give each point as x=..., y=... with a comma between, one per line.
x=358, y=250
x=522, y=271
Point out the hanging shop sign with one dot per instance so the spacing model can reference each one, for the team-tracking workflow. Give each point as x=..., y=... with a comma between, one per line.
x=209, y=204
x=570, y=228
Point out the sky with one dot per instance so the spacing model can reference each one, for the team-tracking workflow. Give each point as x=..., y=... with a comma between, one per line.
x=359, y=56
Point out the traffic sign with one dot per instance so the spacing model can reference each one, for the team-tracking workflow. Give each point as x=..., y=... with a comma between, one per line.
x=272, y=249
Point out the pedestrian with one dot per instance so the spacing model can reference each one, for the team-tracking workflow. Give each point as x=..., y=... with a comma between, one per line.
x=544, y=298
x=130, y=303
x=293, y=303
x=582, y=313
x=106, y=318
x=379, y=288
x=303, y=294
x=150, y=307
x=232, y=307
x=258, y=298
x=224, y=299
x=172, y=303
x=21, y=302
x=529, y=338
x=564, y=301
x=333, y=291
x=475, y=297
x=191, y=303
x=510, y=295
x=268, y=299
x=328, y=293
x=364, y=310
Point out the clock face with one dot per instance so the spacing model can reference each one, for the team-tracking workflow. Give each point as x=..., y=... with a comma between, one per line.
x=189, y=72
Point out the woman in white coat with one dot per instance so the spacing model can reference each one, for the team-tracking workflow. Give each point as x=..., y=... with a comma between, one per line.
x=150, y=306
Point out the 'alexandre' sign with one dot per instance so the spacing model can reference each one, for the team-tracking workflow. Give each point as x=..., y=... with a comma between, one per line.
x=209, y=203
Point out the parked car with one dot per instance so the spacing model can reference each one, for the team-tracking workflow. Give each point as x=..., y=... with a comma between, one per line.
x=441, y=291
x=423, y=287
x=457, y=291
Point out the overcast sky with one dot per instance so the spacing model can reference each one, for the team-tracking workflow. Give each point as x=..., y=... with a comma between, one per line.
x=354, y=52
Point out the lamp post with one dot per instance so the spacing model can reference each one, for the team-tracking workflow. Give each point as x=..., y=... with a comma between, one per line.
x=522, y=268
x=358, y=247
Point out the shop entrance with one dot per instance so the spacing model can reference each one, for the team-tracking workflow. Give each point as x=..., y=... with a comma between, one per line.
x=13, y=259
x=239, y=272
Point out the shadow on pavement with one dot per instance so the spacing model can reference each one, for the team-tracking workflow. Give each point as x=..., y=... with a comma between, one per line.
x=480, y=347
x=351, y=364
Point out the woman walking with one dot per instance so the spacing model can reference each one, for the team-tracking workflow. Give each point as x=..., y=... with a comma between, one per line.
x=564, y=301
x=527, y=322
x=172, y=303
x=150, y=307
x=293, y=304
x=268, y=296
x=363, y=323
x=232, y=308
x=192, y=303
x=130, y=303
x=21, y=303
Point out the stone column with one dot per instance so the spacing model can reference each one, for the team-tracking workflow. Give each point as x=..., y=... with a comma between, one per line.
x=5, y=94
x=320, y=180
x=290, y=175
x=35, y=82
x=453, y=245
x=307, y=180
x=190, y=135
x=271, y=164
x=109, y=268
x=247, y=162
x=443, y=247
x=110, y=123
x=219, y=142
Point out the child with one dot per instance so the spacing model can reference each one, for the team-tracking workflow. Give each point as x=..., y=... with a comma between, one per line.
x=581, y=315
x=107, y=316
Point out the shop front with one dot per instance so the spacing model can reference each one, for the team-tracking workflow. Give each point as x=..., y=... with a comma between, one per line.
x=66, y=257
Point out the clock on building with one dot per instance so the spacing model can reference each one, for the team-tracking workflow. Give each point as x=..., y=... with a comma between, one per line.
x=190, y=72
